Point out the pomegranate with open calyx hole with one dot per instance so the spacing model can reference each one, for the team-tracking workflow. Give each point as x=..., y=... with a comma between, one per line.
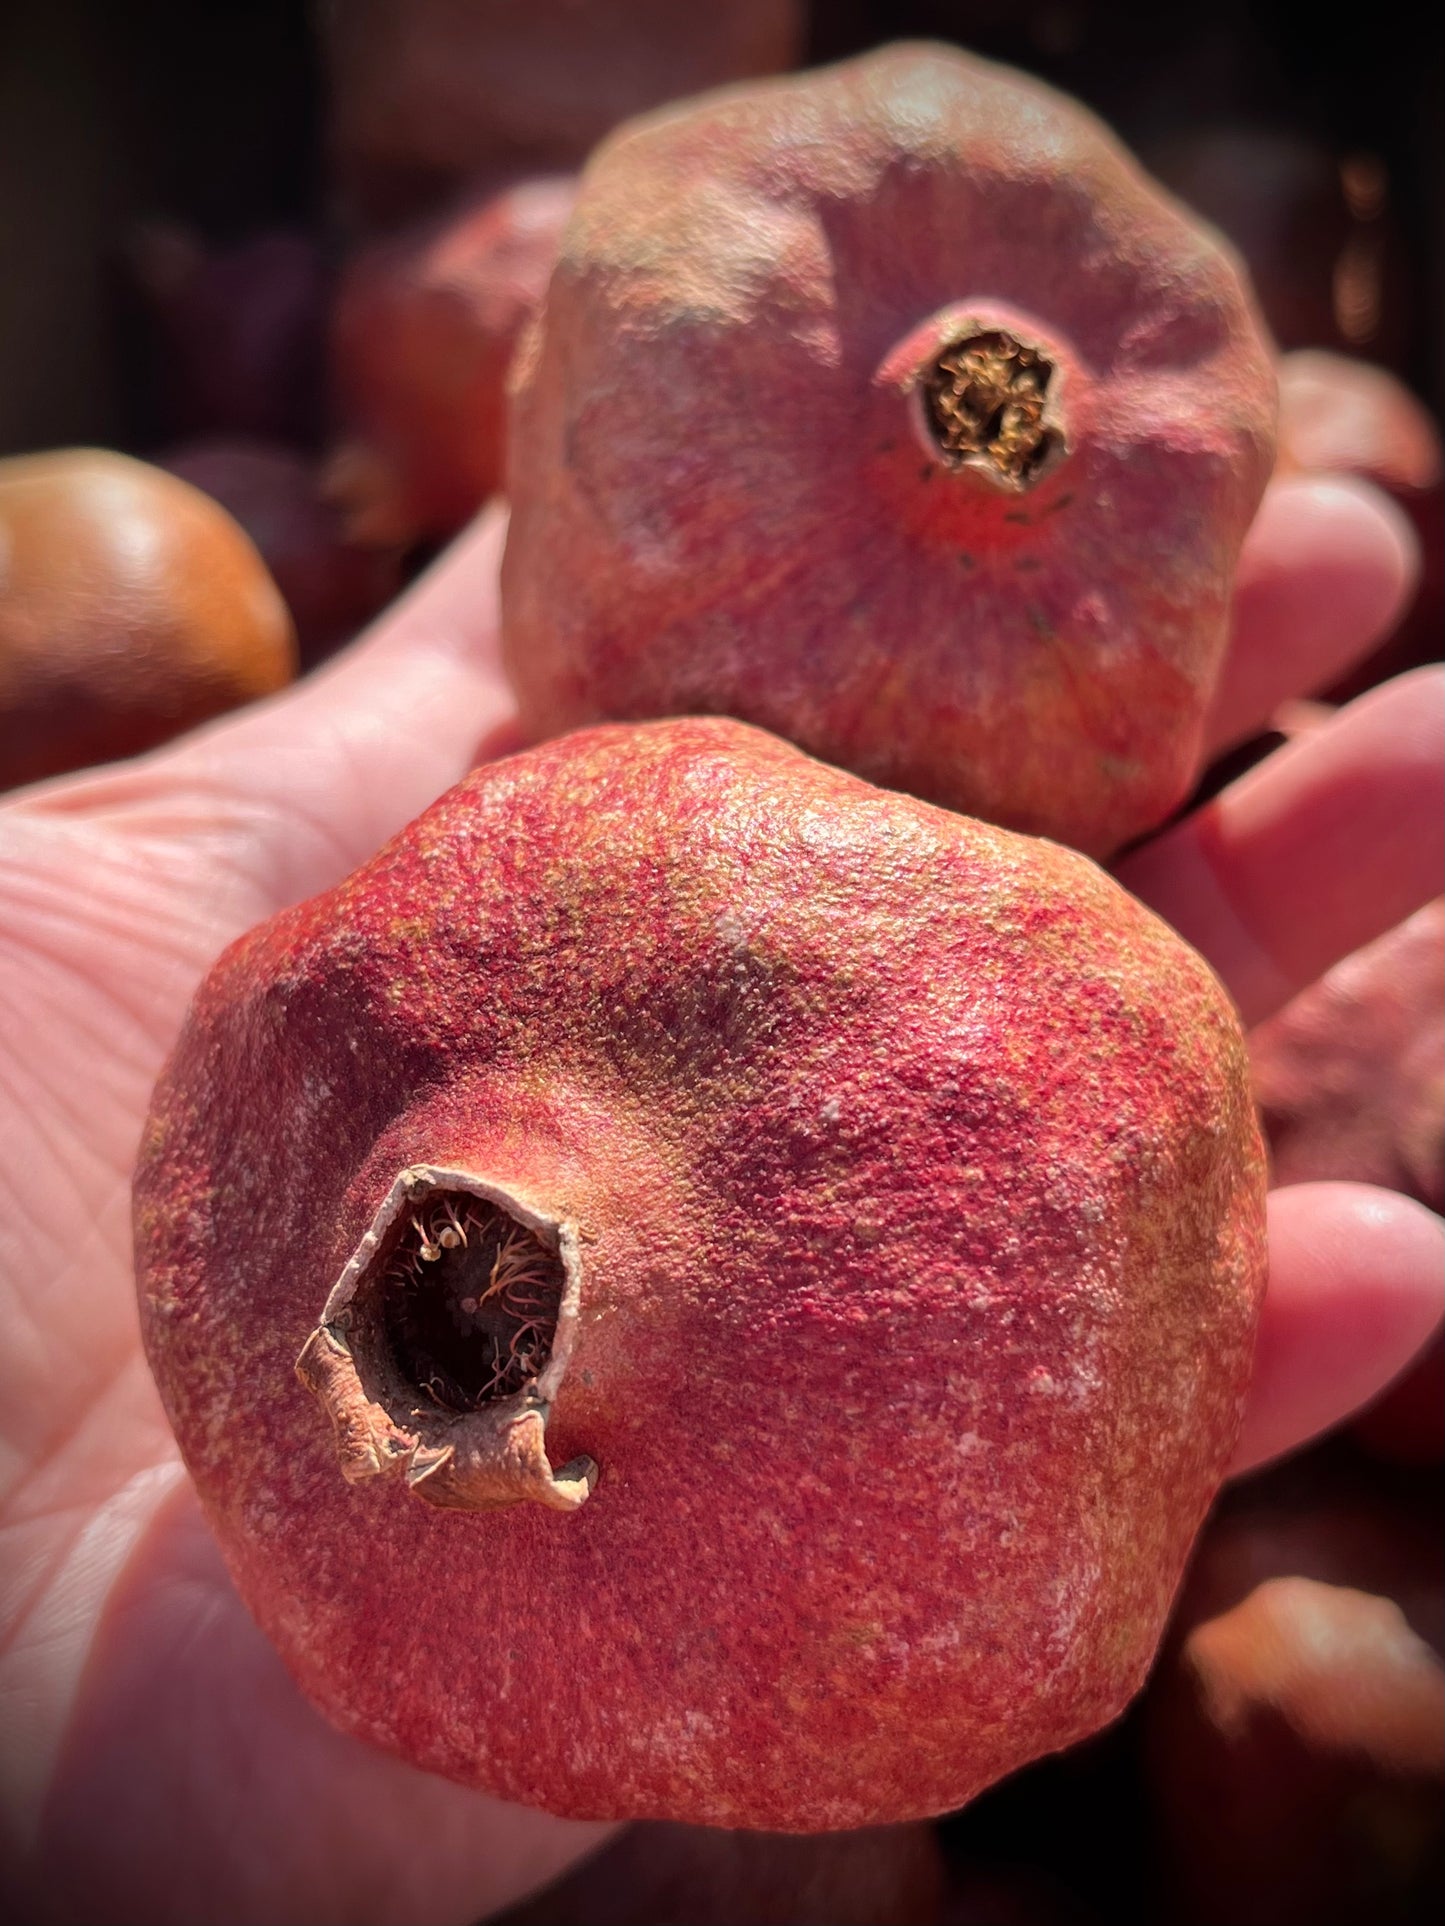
x=893, y=408
x=842, y=1220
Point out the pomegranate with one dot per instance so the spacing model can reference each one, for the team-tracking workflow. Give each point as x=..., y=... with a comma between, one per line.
x=1350, y=1077
x=331, y=585
x=1295, y=1725
x=131, y=607
x=422, y=337
x=892, y=408
x=771, y=1268
x=429, y=94
x=1350, y=1080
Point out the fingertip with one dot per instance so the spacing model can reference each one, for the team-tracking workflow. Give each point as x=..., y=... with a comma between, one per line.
x=1344, y=524
x=1329, y=567
x=1356, y=1290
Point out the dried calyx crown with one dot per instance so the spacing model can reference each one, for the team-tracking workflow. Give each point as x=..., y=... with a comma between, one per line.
x=443, y=1343
x=987, y=406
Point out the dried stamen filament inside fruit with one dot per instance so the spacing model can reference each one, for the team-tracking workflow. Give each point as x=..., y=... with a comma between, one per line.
x=986, y=400
x=469, y=1300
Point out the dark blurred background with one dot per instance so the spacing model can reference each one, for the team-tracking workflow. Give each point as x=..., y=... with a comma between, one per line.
x=1314, y=137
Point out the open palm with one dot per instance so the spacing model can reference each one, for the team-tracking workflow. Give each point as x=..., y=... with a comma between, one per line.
x=159, y=1765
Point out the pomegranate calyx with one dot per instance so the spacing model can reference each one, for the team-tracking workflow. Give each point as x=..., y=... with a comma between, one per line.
x=443, y=1342
x=987, y=406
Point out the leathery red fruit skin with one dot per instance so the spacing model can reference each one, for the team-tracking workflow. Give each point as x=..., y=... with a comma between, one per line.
x=892, y=408
x=862, y=1204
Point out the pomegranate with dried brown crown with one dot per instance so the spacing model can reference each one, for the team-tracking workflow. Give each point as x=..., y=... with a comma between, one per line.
x=771, y=1268
x=893, y=408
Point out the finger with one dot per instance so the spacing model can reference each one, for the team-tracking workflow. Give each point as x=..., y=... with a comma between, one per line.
x=1356, y=1289
x=1324, y=846
x=1327, y=570
x=257, y=1810
x=299, y=789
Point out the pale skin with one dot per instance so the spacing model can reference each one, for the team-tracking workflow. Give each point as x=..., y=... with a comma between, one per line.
x=157, y=1764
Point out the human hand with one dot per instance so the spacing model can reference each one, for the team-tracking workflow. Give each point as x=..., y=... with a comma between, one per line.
x=1327, y=844
x=160, y=1766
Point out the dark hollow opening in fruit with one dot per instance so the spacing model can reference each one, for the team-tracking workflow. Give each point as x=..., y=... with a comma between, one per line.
x=985, y=397
x=468, y=1301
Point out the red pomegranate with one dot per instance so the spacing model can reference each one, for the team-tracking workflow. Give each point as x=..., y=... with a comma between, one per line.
x=894, y=409
x=421, y=340
x=773, y=1268
x=1294, y=1727
x=131, y=608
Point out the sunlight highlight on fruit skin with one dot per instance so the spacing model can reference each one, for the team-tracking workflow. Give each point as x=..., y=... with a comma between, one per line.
x=918, y=1213
x=743, y=481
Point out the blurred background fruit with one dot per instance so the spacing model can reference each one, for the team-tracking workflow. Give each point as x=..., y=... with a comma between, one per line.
x=236, y=331
x=1296, y=1728
x=131, y=607
x=422, y=335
